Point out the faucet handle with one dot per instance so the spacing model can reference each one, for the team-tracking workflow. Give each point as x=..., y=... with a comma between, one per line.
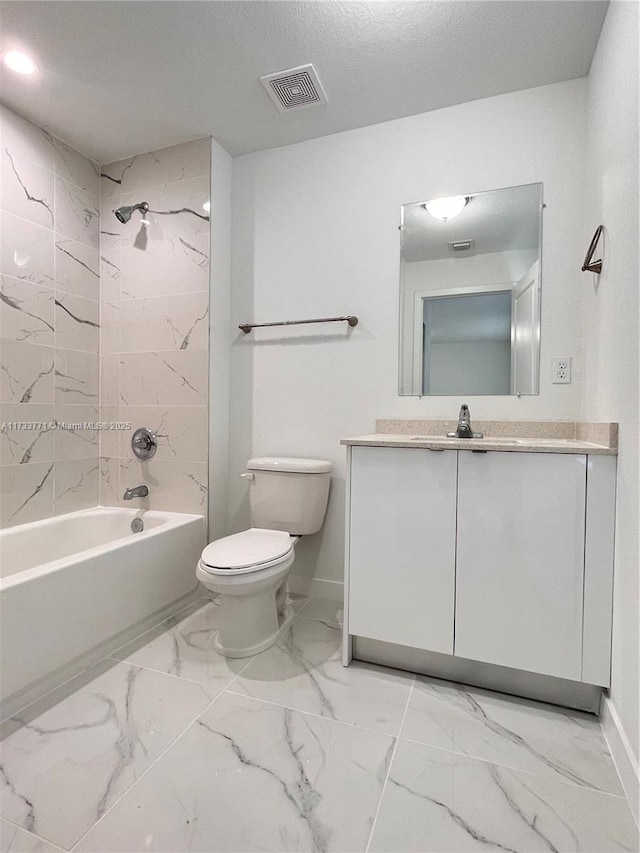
x=144, y=443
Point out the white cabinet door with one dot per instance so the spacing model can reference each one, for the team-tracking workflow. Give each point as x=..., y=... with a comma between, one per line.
x=402, y=546
x=520, y=560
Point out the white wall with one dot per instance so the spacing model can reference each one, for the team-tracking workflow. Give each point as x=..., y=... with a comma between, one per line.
x=315, y=233
x=611, y=327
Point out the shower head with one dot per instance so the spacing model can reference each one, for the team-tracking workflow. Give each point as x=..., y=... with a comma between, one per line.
x=123, y=214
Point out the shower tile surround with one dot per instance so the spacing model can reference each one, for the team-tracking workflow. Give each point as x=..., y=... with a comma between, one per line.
x=101, y=321
x=49, y=323
x=167, y=746
x=154, y=343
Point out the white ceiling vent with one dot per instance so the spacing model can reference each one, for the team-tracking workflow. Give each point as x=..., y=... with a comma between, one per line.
x=294, y=89
x=457, y=246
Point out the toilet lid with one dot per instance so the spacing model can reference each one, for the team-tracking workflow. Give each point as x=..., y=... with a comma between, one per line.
x=250, y=548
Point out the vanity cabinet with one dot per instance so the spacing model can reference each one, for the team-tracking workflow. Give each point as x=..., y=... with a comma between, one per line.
x=520, y=560
x=504, y=558
x=402, y=546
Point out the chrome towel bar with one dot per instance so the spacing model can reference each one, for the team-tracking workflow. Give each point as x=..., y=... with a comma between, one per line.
x=246, y=327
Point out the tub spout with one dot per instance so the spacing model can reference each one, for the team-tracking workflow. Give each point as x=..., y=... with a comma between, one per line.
x=136, y=492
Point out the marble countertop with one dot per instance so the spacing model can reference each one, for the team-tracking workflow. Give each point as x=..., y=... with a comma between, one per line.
x=510, y=436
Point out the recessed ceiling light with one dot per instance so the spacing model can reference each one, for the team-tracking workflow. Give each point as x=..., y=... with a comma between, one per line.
x=19, y=62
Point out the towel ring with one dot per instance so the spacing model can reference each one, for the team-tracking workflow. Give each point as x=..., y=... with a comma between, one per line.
x=589, y=265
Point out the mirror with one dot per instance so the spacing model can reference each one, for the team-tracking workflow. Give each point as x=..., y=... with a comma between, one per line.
x=470, y=294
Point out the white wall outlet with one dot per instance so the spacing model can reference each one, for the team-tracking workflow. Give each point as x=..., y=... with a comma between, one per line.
x=561, y=369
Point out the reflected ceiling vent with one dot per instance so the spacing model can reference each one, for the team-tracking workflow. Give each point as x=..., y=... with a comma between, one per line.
x=294, y=89
x=458, y=247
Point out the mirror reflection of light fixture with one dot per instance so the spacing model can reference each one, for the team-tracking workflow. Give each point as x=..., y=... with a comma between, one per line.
x=19, y=62
x=446, y=208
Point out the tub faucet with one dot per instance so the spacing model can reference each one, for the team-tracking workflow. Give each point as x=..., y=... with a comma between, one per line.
x=136, y=492
x=464, y=425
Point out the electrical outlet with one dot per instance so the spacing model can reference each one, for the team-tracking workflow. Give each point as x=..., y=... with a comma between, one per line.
x=561, y=370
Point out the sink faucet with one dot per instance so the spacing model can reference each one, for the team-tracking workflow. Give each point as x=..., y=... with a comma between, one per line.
x=136, y=492
x=464, y=425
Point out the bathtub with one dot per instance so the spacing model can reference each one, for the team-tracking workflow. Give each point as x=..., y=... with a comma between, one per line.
x=75, y=587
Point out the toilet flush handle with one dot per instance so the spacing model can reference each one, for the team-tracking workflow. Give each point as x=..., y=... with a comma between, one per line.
x=248, y=475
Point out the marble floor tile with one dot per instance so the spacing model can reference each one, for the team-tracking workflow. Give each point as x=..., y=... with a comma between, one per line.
x=440, y=801
x=251, y=776
x=325, y=610
x=304, y=671
x=526, y=735
x=183, y=646
x=16, y=840
x=62, y=770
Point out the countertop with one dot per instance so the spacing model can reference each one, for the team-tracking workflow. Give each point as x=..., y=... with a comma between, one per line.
x=514, y=437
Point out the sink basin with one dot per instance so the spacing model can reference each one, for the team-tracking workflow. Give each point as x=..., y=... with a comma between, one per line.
x=549, y=441
x=496, y=439
x=445, y=439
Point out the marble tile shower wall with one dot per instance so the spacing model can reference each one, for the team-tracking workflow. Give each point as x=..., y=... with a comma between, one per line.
x=154, y=341
x=49, y=323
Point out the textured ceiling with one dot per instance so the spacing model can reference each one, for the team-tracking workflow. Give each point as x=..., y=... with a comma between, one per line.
x=119, y=78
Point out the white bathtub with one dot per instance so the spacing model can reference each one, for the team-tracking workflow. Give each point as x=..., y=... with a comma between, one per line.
x=73, y=588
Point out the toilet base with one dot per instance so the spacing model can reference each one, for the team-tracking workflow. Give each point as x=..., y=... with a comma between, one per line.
x=285, y=618
x=252, y=613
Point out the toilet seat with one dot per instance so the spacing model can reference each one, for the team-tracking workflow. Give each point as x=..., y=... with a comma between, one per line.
x=250, y=551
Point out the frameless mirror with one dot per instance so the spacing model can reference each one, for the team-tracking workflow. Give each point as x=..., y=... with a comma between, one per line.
x=470, y=293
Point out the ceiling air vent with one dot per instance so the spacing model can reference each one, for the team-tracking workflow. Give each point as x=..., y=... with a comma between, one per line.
x=294, y=89
x=458, y=246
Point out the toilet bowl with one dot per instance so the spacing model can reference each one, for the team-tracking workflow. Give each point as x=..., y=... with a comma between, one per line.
x=248, y=570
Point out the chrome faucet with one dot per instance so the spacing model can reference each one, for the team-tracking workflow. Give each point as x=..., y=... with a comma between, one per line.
x=464, y=425
x=136, y=492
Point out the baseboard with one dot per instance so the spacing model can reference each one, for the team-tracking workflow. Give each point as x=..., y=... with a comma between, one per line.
x=489, y=676
x=622, y=754
x=316, y=587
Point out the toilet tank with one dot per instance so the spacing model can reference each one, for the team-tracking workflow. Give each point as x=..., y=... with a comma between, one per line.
x=289, y=494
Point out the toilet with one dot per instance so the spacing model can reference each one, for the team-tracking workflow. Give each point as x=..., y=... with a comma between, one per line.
x=288, y=499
